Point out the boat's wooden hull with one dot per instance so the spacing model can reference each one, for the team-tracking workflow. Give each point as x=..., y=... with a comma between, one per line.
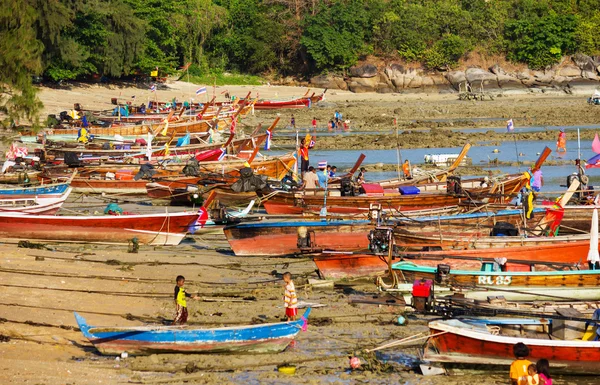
x=349, y=265
x=267, y=338
x=455, y=240
x=47, y=190
x=560, y=253
x=42, y=205
x=294, y=203
x=152, y=229
x=468, y=346
x=503, y=279
x=281, y=238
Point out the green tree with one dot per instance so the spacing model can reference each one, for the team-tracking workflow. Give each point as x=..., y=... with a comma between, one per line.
x=541, y=42
x=337, y=35
x=20, y=58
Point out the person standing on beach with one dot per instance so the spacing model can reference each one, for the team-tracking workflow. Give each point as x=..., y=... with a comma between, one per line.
x=314, y=123
x=303, y=154
x=538, y=180
x=181, y=315
x=519, y=367
x=289, y=297
x=293, y=122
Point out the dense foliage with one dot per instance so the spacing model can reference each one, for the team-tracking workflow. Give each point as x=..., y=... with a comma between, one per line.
x=68, y=39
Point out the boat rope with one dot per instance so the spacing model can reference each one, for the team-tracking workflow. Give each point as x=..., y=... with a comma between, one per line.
x=128, y=279
x=406, y=341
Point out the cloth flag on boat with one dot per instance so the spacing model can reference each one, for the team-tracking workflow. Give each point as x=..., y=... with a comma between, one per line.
x=233, y=124
x=268, y=141
x=223, y=153
x=183, y=141
x=510, y=127
x=594, y=161
x=153, y=88
x=309, y=140
x=164, y=130
x=201, y=90
x=16, y=152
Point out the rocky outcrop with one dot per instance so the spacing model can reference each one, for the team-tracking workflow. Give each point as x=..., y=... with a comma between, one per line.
x=364, y=71
x=579, y=73
x=329, y=81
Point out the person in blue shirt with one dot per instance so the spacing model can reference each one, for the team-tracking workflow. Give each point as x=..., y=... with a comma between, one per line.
x=323, y=175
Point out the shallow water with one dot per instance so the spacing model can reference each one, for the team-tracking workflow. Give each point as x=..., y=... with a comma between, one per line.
x=554, y=176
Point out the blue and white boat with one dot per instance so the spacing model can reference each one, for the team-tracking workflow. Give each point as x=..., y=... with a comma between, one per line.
x=142, y=340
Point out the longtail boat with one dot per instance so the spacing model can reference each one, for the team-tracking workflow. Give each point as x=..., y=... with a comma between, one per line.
x=429, y=177
x=477, y=239
x=292, y=237
x=490, y=342
x=43, y=204
x=335, y=265
x=143, y=340
x=298, y=203
x=47, y=190
x=512, y=275
x=149, y=229
x=304, y=101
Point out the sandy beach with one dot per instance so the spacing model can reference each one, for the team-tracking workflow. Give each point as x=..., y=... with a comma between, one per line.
x=39, y=341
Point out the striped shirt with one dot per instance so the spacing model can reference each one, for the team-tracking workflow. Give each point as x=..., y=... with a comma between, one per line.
x=291, y=300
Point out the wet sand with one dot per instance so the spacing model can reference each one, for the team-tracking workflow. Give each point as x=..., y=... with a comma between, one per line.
x=108, y=286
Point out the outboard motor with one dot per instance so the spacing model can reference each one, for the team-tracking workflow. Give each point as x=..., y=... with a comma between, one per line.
x=375, y=213
x=146, y=171
x=422, y=295
x=303, y=238
x=379, y=240
x=504, y=229
x=192, y=168
x=454, y=185
x=64, y=116
x=71, y=159
x=442, y=274
x=346, y=187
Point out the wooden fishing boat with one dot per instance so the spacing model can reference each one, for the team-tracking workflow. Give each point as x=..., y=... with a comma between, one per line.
x=292, y=237
x=512, y=275
x=47, y=190
x=40, y=205
x=429, y=177
x=149, y=229
x=109, y=180
x=490, y=342
x=298, y=203
x=466, y=223
x=304, y=101
x=476, y=239
x=336, y=265
x=17, y=177
x=142, y=340
x=203, y=152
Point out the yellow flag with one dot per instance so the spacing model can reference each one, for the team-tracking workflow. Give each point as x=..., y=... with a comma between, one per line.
x=164, y=131
x=154, y=73
x=167, y=151
x=307, y=139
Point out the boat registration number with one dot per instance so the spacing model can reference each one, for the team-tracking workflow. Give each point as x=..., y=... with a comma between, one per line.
x=497, y=280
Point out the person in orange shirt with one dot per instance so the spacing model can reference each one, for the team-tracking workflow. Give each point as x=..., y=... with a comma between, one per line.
x=303, y=153
x=519, y=369
x=406, y=169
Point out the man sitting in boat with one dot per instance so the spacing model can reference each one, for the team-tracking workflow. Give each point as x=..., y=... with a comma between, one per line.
x=180, y=296
x=310, y=180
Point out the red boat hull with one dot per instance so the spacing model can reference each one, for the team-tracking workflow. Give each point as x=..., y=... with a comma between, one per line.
x=152, y=229
x=346, y=265
x=257, y=239
x=568, y=356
